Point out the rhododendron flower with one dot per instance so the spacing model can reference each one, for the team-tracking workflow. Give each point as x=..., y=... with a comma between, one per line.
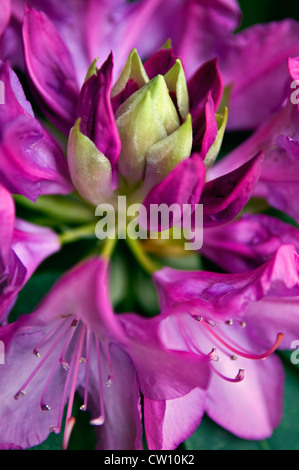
x=23, y=246
x=73, y=341
x=130, y=145
x=238, y=319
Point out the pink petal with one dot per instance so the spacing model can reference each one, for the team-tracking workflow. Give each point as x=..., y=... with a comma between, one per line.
x=161, y=420
x=50, y=67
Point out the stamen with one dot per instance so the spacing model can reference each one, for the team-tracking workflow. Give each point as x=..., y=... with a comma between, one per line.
x=212, y=355
x=239, y=377
x=70, y=421
x=192, y=346
x=43, y=406
x=101, y=418
x=62, y=360
x=45, y=337
x=242, y=353
x=68, y=431
x=111, y=375
x=211, y=323
x=56, y=429
x=88, y=349
x=40, y=364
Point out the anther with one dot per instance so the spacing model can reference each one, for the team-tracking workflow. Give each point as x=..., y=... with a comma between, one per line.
x=19, y=394
x=99, y=421
x=212, y=323
x=45, y=407
x=197, y=317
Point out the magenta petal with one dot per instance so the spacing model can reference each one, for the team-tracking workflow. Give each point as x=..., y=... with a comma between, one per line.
x=32, y=244
x=30, y=425
x=252, y=77
x=28, y=246
x=161, y=418
x=246, y=243
x=183, y=185
x=294, y=67
x=50, y=67
x=206, y=80
x=96, y=113
x=159, y=63
x=252, y=408
x=228, y=295
x=7, y=218
x=83, y=291
x=5, y=9
x=32, y=162
x=278, y=139
x=163, y=373
x=122, y=429
x=224, y=197
x=205, y=128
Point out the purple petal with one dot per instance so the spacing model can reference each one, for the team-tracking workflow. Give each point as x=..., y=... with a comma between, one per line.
x=161, y=418
x=28, y=246
x=224, y=296
x=50, y=68
x=197, y=29
x=247, y=242
x=256, y=61
x=278, y=139
x=96, y=113
x=205, y=128
x=20, y=339
x=158, y=368
x=32, y=163
x=252, y=408
x=206, y=80
x=32, y=244
x=83, y=291
x=7, y=218
x=224, y=197
x=5, y=9
x=122, y=429
x=159, y=63
x=183, y=185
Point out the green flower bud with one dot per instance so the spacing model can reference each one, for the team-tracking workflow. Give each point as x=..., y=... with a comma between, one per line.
x=90, y=170
x=145, y=118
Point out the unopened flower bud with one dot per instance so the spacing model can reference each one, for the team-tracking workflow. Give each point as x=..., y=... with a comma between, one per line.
x=145, y=118
x=90, y=170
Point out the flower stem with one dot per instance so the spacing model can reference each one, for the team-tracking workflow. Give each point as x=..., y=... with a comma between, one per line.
x=147, y=263
x=108, y=248
x=70, y=236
